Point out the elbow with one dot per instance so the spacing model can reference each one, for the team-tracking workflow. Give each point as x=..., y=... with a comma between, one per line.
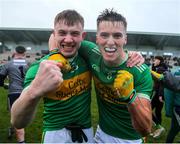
x=16, y=123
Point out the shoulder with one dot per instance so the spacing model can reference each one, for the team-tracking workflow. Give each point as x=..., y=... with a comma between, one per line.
x=89, y=51
x=143, y=82
x=141, y=74
x=141, y=69
x=32, y=69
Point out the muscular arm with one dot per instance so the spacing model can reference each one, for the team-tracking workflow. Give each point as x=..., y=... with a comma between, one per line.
x=141, y=115
x=48, y=79
x=139, y=105
x=24, y=108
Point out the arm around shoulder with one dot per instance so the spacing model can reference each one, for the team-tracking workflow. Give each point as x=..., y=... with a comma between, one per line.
x=86, y=48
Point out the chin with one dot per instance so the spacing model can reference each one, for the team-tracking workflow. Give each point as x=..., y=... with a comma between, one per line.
x=108, y=59
x=69, y=55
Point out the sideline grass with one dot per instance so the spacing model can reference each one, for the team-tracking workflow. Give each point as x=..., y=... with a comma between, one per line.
x=34, y=130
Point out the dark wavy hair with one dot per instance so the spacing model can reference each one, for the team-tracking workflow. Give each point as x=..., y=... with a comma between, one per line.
x=20, y=49
x=112, y=16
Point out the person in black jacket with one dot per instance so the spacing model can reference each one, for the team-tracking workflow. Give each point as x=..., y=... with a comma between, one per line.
x=171, y=81
x=157, y=101
x=168, y=80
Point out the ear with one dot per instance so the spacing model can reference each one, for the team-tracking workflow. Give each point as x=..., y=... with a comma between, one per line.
x=83, y=35
x=52, y=42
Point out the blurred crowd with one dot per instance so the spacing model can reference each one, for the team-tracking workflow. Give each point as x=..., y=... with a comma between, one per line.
x=169, y=61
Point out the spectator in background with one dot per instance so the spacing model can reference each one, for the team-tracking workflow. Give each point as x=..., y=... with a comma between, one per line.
x=172, y=105
x=15, y=70
x=157, y=101
x=172, y=100
x=168, y=80
x=148, y=62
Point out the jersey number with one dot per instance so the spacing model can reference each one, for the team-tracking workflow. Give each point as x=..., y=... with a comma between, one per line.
x=22, y=71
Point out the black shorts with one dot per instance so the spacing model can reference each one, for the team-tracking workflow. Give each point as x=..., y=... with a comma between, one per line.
x=12, y=98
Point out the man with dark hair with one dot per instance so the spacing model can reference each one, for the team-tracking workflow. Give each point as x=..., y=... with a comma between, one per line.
x=15, y=70
x=123, y=93
x=20, y=49
x=158, y=98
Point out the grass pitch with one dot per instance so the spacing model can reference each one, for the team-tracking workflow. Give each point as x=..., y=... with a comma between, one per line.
x=34, y=130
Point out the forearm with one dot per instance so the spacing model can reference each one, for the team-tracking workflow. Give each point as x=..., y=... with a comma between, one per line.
x=24, y=108
x=141, y=115
x=47, y=79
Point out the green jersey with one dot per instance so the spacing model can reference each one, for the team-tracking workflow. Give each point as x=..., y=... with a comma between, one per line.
x=114, y=117
x=70, y=103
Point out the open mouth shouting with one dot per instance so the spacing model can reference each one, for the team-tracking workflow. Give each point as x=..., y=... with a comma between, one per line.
x=110, y=50
x=68, y=47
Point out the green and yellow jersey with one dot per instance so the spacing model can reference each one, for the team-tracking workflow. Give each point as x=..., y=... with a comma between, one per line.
x=114, y=117
x=70, y=103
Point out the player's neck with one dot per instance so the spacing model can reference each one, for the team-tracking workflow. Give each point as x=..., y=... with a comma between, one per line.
x=19, y=57
x=72, y=58
x=119, y=61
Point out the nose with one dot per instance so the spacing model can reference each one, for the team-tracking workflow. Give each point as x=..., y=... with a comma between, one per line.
x=110, y=41
x=68, y=38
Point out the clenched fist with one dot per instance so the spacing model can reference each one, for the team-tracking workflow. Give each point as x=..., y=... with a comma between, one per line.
x=48, y=77
x=124, y=84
